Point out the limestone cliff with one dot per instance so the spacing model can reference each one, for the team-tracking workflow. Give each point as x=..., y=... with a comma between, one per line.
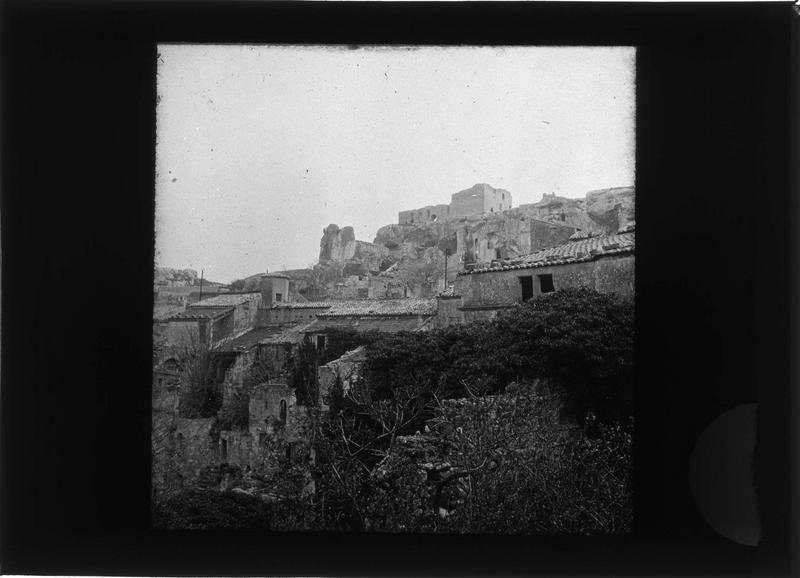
x=337, y=244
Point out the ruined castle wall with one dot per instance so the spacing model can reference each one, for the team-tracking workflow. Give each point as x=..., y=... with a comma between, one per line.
x=466, y=203
x=429, y=214
x=496, y=200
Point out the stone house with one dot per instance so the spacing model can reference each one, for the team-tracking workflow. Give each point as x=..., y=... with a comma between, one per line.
x=384, y=315
x=213, y=320
x=273, y=345
x=604, y=263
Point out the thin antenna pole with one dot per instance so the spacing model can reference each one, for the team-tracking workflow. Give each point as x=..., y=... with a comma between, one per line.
x=201, y=285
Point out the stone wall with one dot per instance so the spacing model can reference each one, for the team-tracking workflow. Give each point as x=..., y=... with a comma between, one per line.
x=346, y=369
x=448, y=312
x=269, y=408
x=508, y=235
x=480, y=434
x=500, y=288
x=429, y=214
x=223, y=327
x=479, y=199
x=185, y=333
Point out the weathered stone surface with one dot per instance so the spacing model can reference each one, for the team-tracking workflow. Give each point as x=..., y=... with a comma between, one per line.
x=176, y=277
x=612, y=209
x=337, y=244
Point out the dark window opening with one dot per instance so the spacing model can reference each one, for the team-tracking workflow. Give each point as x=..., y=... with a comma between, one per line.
x=320, y=342
x=497, y=254
x=546, y=283
x=278, y=297
x=563, y=217
x=491, y=209
x=224, y=445
x=526, y=283
x=262, y=439
x=283, y=411
x=266, y=404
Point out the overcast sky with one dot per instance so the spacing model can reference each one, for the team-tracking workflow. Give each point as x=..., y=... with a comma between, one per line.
x=259, y=148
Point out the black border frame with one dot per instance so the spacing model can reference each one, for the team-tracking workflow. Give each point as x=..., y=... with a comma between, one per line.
x=714, y=242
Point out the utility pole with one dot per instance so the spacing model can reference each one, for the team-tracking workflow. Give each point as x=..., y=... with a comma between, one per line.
x=446, y=252
x=201, y=285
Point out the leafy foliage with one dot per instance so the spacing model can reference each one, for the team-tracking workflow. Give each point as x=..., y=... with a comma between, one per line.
x=235, y=411
x=303, y=369
x=200, y=394
x=392, y=454
x=579, y=339
x=211, y=510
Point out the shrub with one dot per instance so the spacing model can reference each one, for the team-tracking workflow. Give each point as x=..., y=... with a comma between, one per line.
x=211, y=510
x=235, y=411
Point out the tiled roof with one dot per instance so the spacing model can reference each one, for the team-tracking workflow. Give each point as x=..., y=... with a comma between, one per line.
x=201, y=313
x=381, y=308
x=572, y=252
x=162, y=312
x=303, y=305
x=357, y=354
x=226, y=300
x=271, y=334
x=382, y=324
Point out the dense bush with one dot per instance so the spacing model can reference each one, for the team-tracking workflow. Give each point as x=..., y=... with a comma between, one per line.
x=508, y=468
x=200, y=394
x=579, y=339
x=303, y=369
x=235, y=411
x=211, y=510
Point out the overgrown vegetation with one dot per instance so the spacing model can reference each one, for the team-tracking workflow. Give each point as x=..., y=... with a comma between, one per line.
x=235, y=411
x=393, y=454
x=200, y=393
x=303, y=369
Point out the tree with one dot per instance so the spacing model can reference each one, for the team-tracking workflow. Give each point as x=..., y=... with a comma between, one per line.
x=200, y=395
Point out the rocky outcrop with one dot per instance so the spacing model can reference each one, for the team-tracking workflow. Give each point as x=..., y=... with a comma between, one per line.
x=337, y=244
x=176, y=277
x=612, y=209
